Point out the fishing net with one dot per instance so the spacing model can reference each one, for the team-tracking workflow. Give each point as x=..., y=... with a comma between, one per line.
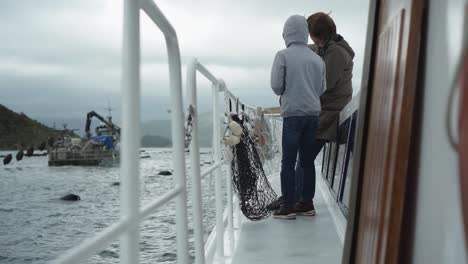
x=262, y=136
x=250, y=182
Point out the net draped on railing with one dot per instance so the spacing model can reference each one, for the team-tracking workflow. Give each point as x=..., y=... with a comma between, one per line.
x=248, y=176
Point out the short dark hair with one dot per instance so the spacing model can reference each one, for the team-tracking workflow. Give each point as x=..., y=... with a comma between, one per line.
x=321, y=26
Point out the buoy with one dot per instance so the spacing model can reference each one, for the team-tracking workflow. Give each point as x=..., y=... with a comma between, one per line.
x=7, y=159
x=235, y=128
x=42, y=146
x=70, y=197
x=19, y=155
x=30, y=151
x=165, y=173
x=231, y=140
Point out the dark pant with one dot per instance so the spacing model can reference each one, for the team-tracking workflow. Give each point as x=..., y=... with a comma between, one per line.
x=298, y=136
x=300, y=191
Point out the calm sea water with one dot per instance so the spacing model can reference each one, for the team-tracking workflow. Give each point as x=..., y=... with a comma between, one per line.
x=36, y=226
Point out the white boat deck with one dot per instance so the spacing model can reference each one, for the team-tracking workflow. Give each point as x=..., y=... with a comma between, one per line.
x=316, y=239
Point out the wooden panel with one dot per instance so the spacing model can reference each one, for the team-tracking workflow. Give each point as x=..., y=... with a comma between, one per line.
x=379, y=142
x=390, y=120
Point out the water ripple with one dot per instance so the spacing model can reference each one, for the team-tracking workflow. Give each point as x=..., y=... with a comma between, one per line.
x=108, y=254
x=36, y=227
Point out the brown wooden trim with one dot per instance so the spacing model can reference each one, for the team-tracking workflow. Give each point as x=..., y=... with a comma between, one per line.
x=377, y=183
x=406, y=155
x=389, y=133
x=409, y=210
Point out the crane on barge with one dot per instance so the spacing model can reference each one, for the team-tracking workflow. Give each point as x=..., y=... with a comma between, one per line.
x=102, y=148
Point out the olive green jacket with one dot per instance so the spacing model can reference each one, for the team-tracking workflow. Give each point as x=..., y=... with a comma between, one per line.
x=338, y=57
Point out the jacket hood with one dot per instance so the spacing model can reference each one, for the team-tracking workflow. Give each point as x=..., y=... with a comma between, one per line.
x=340, y=41
x=295, y=30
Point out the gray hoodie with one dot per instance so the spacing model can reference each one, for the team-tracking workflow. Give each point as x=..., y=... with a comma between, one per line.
x=298, y=74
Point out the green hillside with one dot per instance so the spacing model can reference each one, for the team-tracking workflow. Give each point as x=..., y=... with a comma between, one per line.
x=19, y=131
x=155, y=142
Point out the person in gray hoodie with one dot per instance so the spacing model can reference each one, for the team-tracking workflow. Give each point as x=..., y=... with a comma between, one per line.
x=298, y=76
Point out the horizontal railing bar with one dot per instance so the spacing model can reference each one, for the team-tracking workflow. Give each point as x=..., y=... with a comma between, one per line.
x=350, y=108
x=148, y=209
x=153, y=12
x=204, y=173
x=230, y=94
x=94, y=245
x=203, y=70
x=233, y=97
x=272, y=115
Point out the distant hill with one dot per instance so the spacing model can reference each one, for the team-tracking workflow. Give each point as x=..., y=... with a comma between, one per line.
x=19, y=131
x=155, y=142
x=72, y=123
x=162, y=128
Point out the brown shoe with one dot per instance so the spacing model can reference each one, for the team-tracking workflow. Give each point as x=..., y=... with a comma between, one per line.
x=285, y=213
x=306, y=209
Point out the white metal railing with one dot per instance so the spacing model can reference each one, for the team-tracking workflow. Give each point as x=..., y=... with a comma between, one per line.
x=127, y=228
x=131, y=214
x=195, y=159
x=218, y=86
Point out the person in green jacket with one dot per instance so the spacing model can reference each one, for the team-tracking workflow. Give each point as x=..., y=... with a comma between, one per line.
x=338, y=57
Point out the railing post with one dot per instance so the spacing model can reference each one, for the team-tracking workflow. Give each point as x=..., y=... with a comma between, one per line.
x=238, y=214
x=229, y=193
x=130, y=198
x=217, y=173
x=195, y=160
x=177, y=117
x=178, y=148
x=230, y=208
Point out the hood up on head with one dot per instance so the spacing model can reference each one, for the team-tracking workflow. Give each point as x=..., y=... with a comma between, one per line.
x=295, y=30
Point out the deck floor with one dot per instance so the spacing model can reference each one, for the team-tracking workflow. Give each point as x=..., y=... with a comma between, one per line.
x=304, y=240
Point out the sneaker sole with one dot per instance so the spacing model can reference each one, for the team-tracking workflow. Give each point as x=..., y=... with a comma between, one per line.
x=309, y=213
x=286, y=217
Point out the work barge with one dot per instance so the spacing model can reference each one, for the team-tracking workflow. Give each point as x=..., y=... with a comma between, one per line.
x=100, y=149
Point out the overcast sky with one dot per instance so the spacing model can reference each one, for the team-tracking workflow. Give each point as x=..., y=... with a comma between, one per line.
x=63, y=58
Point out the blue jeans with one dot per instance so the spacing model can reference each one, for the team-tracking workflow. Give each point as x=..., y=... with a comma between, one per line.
x=298, y=136
x=300, y=191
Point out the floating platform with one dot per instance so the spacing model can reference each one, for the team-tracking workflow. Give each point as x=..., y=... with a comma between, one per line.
x=90, y=158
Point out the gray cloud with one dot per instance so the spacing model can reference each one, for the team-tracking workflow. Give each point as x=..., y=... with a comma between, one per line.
x=62, y=58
